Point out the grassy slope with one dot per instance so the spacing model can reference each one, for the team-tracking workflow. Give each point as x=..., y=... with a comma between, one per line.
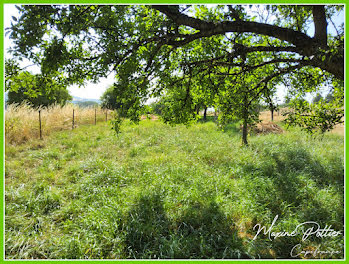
x=157, y=191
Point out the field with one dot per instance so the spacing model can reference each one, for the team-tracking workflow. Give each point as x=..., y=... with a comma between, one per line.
x=157, y=191
x=278, y=117
x=22, y=122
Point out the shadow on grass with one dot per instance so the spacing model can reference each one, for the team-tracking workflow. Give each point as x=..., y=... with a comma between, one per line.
x=297, y=178
x=294, y=184
x=232, y=129
x=295, y=162
x=201, y=231
x=208, y=119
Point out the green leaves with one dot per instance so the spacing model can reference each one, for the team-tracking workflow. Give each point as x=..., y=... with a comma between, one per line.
x=55, y=56
x=314, y=118
x=36, y=90
x=12, y=70
x=194, y=56
x=299, y=16
x=116, y=123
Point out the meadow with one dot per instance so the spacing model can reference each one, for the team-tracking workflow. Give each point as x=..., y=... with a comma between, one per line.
x=156, y=191
x=22, y=122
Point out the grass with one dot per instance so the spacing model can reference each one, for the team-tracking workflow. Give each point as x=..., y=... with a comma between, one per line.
x=278, y=118
x=157, y=191
x=22, y=121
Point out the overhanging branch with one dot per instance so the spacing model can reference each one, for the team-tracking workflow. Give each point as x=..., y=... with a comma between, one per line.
x=297, y=38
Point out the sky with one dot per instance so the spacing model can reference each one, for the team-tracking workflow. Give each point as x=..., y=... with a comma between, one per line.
x=94, y=91
x=90, y=91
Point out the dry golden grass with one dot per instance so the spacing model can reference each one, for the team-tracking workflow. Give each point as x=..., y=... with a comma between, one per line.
x=268, y=127
x=151, y=117
x=339, y=130
x=265, y=116
x=22, y=121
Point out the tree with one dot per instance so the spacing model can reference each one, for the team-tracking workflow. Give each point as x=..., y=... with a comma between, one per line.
x=320, y=116
x=142, y=43
x=34, y=89
x=315, y=118
x=218, y=85
x=125, y=103
x=329, y=97
x=317, y=98
x=272, y=106
x=109, y=99
x=237, y=101
x=156, y=107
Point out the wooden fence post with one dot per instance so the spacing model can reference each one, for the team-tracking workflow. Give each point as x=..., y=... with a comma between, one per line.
x=95, y=116
x=106, y=115
x=40, y=124
x=73, y=120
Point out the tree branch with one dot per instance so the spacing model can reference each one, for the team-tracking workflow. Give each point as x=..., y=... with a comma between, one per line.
x=299, y=39
x=267, y=79
x=303, y=44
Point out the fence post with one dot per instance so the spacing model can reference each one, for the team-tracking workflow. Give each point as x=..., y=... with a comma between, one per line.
x=40, y=124
x=95, y=116
x=106, y=115
x=73, y=120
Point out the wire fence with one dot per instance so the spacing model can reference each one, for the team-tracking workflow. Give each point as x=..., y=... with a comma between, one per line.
x=23, y=123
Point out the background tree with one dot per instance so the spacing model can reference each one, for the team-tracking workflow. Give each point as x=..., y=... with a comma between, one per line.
x=125, y=102
x=271, y=104
x=157, y=106
x=317, y=98
x=329, y=97
x=316, y=117
x=34, y=89
x=109, y=99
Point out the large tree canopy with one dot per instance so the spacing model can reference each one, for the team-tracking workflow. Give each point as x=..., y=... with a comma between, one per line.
x=163, y=49
x=93, y=39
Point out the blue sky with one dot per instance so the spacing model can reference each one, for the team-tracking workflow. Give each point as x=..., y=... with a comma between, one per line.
x=94, y=91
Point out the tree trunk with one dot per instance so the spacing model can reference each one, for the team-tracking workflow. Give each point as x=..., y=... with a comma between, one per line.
x=272, y=114
x=205, y=113
x=244, y=133
x=245, y=122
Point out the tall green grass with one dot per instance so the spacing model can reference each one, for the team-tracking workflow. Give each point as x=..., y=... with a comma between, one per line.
x=156, y=191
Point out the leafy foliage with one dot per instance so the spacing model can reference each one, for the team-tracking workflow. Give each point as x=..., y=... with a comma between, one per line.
x=183, y=52
x=317, y=98
x=109, y=99
x=320, y=116
x=316, y=117
x=36, y=90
